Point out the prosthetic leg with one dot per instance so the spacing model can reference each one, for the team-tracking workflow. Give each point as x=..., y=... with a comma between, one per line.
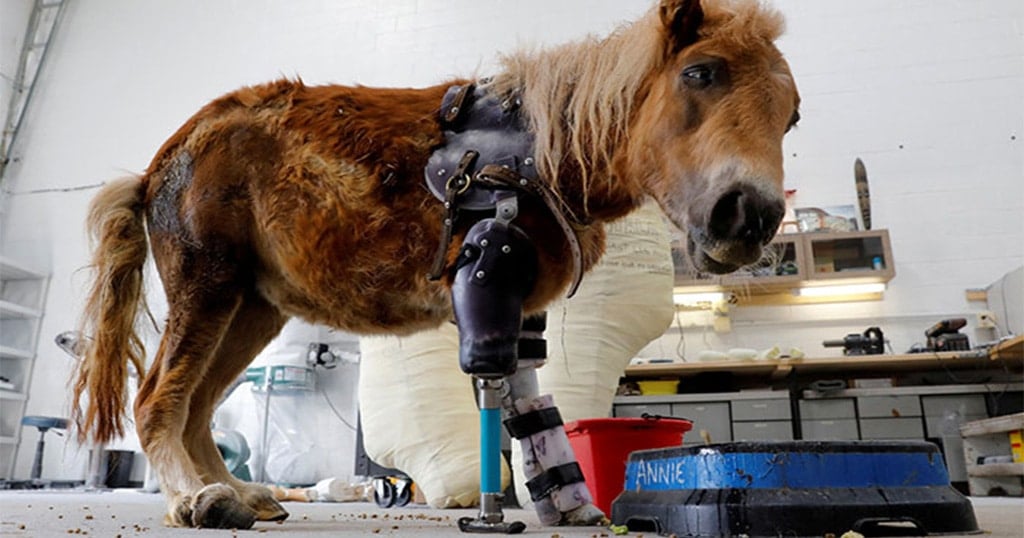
x=496, y=270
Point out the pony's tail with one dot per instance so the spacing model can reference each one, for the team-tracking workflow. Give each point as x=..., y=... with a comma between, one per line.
x=118, y=235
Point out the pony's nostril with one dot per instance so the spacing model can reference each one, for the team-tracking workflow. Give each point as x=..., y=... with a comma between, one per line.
x=762, y=220
x=745, y=215
x=727, y=216
x=771, y=218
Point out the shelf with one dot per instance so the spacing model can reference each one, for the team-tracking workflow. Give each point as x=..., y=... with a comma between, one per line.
x=782, y=275
x=809, y=259
x=703, y=397
x=1009, y=349
x=8, y=352
x=851, y=365
x=22, y=299
x=915, y=390
x=11, y=270
x=996, y=469
x=1001, y=424
x=11, y=395
x=849, y=257
x=9, y=310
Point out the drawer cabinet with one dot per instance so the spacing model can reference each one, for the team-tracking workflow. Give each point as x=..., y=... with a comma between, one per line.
x=767, y=409
x=638, y=410
x=891, y=428
x=768, y=430
x=838, y=408
x=830, y=429
x=712, y=417
x=944, y=414
x=889, y=406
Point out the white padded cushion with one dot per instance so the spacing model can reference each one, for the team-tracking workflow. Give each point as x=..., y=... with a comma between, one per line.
x=417, y=407
x=419, y=414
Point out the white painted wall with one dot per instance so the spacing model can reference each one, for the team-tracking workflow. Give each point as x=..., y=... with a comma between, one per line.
x=13, y=22
x=929, y=94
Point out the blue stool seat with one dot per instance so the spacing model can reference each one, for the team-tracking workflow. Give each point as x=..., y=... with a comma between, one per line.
x=45, y=423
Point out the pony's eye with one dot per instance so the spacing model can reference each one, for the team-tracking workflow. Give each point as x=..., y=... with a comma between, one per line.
x=698, y=77
x=793, y=120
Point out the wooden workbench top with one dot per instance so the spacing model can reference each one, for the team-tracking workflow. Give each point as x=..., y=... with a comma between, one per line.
x=1009, y=352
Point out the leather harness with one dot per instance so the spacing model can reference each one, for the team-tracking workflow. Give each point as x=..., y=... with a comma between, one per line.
x=488, y=151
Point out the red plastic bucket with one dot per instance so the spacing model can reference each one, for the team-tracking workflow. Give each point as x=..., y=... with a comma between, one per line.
x=603, y=445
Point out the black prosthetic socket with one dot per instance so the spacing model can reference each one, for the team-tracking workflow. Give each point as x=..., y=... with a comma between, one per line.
x=495, y=272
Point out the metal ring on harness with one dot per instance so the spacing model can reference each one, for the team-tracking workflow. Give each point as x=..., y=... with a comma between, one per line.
x=466, y=179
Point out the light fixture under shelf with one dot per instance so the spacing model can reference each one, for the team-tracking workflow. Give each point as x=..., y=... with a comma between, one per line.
x=694, y=299
x=848, y=289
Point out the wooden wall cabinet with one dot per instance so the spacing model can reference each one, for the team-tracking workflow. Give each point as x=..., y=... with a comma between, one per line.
x=799, y=260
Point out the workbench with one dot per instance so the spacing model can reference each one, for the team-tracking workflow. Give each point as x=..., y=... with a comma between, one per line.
x=777, y=403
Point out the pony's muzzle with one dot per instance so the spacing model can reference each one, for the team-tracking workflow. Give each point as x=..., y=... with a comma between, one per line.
x=739, y=224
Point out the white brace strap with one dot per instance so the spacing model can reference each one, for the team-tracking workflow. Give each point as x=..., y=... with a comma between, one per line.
x=555, y=480
x=532, y=423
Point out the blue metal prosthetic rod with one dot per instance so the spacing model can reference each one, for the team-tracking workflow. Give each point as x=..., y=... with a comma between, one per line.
x=490, y=519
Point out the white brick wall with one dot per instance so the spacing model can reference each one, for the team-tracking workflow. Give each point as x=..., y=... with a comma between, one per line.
x=930, y=93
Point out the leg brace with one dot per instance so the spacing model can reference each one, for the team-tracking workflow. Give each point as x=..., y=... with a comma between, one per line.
x=554, y=478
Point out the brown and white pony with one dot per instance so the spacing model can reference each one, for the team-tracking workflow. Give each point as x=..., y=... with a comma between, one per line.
x=285, y=200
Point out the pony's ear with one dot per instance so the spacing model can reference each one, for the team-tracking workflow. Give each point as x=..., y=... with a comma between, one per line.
x=681, y=19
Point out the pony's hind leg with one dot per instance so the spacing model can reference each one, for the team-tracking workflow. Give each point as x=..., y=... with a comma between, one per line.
x=254, y=324
x=199, y=316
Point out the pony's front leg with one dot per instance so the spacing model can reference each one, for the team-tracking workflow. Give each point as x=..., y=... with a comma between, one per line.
x=554, y=478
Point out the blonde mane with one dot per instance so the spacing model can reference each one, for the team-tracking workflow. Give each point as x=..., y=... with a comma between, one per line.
x=580, y=97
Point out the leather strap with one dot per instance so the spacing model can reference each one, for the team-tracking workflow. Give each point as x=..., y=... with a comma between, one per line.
x=551, y=479
x=457, y=109
x=499, y=176
x=457, y=183
x=533, y=348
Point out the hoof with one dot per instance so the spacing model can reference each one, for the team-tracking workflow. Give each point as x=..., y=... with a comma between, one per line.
x=219, y=507
x=261, y=501
x=586, y=515
x=180, y=515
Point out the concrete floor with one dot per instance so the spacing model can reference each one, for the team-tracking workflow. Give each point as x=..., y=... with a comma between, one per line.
x=128, y=513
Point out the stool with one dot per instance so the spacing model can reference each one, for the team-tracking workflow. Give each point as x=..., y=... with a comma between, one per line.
x=43, y=424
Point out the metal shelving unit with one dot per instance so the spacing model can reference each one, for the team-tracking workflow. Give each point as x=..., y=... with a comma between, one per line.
x=22, y=299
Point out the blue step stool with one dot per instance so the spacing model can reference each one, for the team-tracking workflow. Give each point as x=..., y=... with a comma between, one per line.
x=793, y=488
x=43, y=424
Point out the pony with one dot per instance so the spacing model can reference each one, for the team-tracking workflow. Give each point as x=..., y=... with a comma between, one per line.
x=283, y=199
